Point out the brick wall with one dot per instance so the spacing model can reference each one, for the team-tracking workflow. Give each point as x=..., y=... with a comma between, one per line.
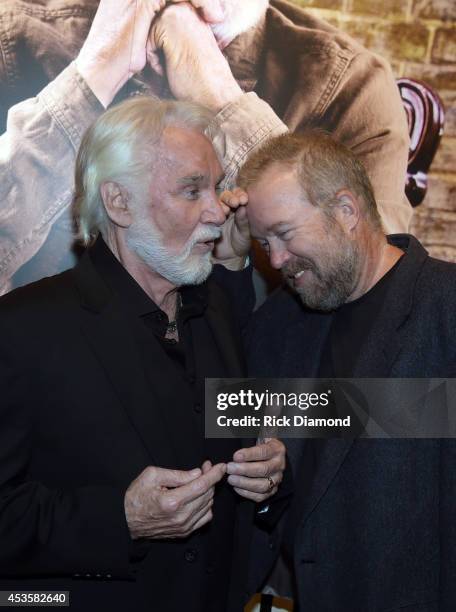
x=418, y=37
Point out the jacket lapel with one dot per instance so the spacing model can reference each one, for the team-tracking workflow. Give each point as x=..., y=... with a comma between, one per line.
x=110, y=338
x=376, y=359
x=331, y=454
x=384, y=343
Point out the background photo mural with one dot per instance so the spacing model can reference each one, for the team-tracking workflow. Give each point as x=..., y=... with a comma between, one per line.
x=40, y=38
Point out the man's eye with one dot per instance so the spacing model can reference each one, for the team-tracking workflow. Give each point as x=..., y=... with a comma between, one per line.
x=219, y=189
x=287, y=235
x=264, y=244
x=192, y=194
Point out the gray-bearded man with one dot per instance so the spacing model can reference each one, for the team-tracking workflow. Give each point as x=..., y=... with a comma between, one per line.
x=285, y=69
x=108, y=488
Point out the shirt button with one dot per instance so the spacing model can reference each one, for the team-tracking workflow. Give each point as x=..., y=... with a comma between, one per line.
x=210, y=569
x=198, y=408
x=190, y=555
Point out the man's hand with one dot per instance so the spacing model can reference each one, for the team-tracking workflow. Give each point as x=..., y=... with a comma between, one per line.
x=256, y=472
x=196, y=68
x=115, y=48
x=234, y=245
x=163, y=503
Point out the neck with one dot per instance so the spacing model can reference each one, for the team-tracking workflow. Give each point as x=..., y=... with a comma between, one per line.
x=379, y=258
x=159, y=289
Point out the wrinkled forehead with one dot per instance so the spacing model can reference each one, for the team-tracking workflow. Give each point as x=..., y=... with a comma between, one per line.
x=186, y=151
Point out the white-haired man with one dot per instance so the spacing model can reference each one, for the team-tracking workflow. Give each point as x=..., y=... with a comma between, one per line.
x=108, y=488
x=285, y=69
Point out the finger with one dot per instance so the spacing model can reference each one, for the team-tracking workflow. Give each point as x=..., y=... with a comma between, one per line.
x=173, y=478
x=241, y=195
x=261, y=452
x=231, y=199
x=255, y=485
x=197, y=516
x=203, y=521
x=241, y=217
x=206, y=466
x=178, y=512
x=184, y=530
x=255, y=469
x=201, y=485
x=256, y=497
x=210, y=10
x=226, y=209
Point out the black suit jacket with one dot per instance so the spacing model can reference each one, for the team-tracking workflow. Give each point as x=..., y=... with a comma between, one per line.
x=80, y=419
x=376, y=517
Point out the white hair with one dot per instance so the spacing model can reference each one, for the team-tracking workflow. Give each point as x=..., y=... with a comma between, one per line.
x=240, y=16
x=120, y=147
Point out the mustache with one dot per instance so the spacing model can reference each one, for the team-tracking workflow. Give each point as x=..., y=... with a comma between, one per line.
x=300, y=264
x=204, y=234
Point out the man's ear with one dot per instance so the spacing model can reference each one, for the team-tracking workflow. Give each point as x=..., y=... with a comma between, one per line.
x=117, y=203
x=347, y=209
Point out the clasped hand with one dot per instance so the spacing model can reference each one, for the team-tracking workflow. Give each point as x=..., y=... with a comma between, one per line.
x=162, y=503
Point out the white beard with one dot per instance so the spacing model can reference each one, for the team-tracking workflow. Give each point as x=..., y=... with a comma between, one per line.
x=183, y=268
x=240, y=16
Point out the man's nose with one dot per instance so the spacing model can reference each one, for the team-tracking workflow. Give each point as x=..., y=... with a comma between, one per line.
x=278, y=256
x=213, y=212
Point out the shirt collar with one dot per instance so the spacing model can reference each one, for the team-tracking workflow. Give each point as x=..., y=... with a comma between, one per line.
x=130, y=293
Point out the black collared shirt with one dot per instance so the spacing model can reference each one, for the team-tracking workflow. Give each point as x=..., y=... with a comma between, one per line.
x=350, y=326
x=136, y=302
x=175, y=373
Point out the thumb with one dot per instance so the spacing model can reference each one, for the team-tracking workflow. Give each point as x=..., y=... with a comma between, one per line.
x=206, y=466
x=176, y=478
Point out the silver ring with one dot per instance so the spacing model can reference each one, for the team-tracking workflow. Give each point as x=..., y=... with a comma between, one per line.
x=271, y=483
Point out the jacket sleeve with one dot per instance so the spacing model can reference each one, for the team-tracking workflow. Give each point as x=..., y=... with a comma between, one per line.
x=368, y=116
x=239, y=129
x=69, y=531
x=37, y=155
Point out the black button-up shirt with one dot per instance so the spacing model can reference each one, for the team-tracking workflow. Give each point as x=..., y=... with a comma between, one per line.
x=137, y=303
x=176, y=374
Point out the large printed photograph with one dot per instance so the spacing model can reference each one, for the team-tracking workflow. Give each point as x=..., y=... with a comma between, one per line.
x=229, y=190
x=312, y=75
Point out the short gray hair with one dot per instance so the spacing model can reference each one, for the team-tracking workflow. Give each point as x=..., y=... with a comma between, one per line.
x=120, y=147
x=324, y=167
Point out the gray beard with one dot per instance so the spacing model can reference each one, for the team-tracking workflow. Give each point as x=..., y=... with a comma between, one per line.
x=180, y=269
x=333, y=281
